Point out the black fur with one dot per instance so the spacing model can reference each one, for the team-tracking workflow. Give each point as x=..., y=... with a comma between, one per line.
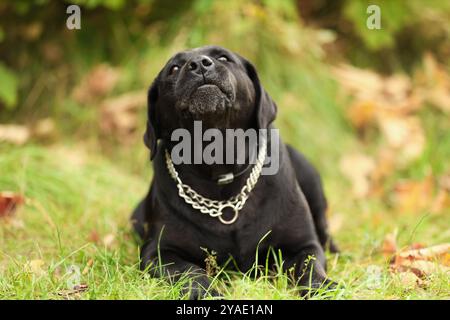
x=289, y=206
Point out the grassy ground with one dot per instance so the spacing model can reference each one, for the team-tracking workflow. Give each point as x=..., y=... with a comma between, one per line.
x=76, y=216
x=81, y=188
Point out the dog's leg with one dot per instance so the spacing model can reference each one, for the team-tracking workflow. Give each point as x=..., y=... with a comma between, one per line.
x=170, y=264
x=311, y=185
x=307, y=267
x=138, y=220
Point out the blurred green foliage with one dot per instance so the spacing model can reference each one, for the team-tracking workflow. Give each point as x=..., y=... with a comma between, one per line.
x=291, y=42
x=8, y=89
x=266, y=31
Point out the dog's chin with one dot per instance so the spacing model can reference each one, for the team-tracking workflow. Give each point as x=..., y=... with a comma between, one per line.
x=208, y=101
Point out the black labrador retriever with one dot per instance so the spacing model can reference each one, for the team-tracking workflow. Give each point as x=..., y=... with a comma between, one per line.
x=180, y=216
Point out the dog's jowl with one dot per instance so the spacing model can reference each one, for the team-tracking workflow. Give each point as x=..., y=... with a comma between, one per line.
x=231, y=207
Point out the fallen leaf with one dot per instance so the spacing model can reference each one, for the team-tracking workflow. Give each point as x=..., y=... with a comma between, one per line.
x=385, y=166
x=36, y=267
x=94, y=237
x=434, y=82
x=32, y=31
x=15, y=134
x=363, y=84
x=444, y=182
x=422, y=268
x=416, y=245
x=430, y=253
x=97, y=83
x=335, y=222
x=382, y=93
x=412, y=196
x=409, y=280
x=44, y=128
x=9, y=201
x=87, y=267
x=389, y=246
x=108, y=240
x=362, y=113
x=441, y=202
x=358, y=168
x=77, y=289
x=52, y=52
x=404, y=134
x=423, y=262
x=119, y=115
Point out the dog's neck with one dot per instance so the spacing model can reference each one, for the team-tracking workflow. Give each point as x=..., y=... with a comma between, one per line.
x=211, y=174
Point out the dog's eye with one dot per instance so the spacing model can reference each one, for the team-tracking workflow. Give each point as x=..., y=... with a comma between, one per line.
x=223, y=58
x=174, y=69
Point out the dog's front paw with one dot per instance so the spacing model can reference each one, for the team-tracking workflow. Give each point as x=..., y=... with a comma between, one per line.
x=318, y=286
x=199, y=289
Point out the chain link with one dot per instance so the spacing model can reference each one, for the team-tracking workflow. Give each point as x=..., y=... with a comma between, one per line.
x=214, y=208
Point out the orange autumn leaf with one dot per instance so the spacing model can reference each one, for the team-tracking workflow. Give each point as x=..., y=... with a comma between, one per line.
x=9, y=201
x=423, y=262
x=361, y=114
x=357, y=168
x=389, y=246
x=412, y=196
x=120, y=115
x=430, y=253
x=14, y=134
x=100, y=81
x=405, y=135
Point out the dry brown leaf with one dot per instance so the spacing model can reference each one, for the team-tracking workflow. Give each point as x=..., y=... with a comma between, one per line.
x=404, y=134
x=31, y=31
x=385, y=166
x=363, y=84
x=413, y=266
x=362, y=114
x=393, y=93
x=98, y=83
x=94, y=237
x=423, y=262
x=421, y=268
x=409, y=279
x=44, y=128
x=358, y=168
x=87, y=267
x=412, y=196
x=434, y=83
x=335, y=222
x=119, y=115
x=416, y=246
x=430, y=253
x=13, y=133
x=9, y=201
x=79, y=288
x=52, y=52
x=444, y=182
x=389, y=246
x=441, y=202
x=36, y=267
x=109, y=240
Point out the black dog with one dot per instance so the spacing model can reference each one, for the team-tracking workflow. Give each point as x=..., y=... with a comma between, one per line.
x=222, y=89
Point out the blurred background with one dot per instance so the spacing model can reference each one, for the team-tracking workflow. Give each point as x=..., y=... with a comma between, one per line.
x=369, y=107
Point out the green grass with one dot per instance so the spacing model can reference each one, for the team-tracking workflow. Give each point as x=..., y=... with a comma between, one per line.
x=72, y=192
x=81, y=185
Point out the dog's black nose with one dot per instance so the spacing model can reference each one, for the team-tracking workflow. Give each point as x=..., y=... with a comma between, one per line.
x=200, y=64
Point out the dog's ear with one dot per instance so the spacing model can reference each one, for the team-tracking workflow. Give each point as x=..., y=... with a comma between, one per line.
x=266, y=109
x=152, y=134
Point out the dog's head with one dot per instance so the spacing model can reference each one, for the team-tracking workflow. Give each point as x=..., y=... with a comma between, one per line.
x=211, y=84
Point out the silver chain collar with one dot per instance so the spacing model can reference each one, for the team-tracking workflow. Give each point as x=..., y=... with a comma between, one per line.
x=215, y=207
